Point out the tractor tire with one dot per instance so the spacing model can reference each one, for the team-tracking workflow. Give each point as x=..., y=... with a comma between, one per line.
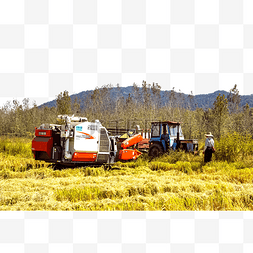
x=155, y=150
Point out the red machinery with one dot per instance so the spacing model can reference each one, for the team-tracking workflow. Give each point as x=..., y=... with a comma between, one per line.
x=79, y=141
x=42, y=144
x=130, y=154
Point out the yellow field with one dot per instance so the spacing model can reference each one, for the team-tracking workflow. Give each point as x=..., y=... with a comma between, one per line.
x=176, y=182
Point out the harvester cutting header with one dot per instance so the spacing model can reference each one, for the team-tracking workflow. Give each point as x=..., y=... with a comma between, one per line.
x=77, y=141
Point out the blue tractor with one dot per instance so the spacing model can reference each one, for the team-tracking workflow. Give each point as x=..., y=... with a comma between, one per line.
x=167, y=136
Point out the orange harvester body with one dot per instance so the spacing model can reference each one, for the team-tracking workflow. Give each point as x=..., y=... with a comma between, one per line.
x=130, y=154
x=131, y=141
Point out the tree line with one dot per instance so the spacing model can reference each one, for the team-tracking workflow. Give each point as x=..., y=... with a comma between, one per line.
x=140, y=107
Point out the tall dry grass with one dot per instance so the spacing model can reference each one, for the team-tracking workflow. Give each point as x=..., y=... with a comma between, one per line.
x=16, y=146
x=177, y=181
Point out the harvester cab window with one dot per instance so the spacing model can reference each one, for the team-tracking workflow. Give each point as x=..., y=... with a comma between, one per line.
x=155, y=130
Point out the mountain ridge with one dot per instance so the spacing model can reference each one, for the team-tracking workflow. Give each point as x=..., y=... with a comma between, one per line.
x=203, y=101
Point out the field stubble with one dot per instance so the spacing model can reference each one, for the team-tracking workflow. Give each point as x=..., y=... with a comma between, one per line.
x=178, y=181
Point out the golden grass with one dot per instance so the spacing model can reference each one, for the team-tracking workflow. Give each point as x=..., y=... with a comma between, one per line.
x=219, y=186
x=177, y=181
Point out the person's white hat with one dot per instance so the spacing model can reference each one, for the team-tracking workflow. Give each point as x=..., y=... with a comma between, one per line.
x=209, y=134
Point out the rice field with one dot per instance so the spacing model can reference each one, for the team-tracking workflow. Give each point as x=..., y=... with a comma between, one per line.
x=178, y=181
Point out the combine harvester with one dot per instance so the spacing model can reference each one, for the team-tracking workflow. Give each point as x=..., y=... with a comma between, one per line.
x=79, y=142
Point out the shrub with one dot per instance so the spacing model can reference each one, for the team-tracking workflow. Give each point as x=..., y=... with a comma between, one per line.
x=233, y=147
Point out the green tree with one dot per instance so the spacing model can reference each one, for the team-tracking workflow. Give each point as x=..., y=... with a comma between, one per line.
x=76, y=106
x=18, y=128
x=146, y=96
x=246, y=122
x=172, y=103
x=35, y=114
x=234, y=99
x=63, y=103
x=220, y=114
x=200, y=124
x=156, y=97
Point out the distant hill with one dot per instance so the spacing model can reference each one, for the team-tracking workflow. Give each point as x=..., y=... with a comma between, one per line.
x=202, y=101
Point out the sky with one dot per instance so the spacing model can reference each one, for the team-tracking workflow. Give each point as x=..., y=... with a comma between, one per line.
x=198, y=46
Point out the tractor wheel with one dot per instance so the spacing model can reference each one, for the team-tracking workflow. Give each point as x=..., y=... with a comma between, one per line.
x=155, y=150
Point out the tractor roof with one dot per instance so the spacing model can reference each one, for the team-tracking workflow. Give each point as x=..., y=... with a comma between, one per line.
x=167, y=122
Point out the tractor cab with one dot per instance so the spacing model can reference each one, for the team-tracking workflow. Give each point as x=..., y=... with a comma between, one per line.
x=165, y=133
x=168, y=135
x=175, y=134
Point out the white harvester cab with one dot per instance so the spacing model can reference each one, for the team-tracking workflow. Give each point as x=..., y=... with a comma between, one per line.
x=86, y=137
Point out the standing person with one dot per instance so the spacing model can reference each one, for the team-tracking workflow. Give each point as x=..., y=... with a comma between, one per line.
x=209, y=148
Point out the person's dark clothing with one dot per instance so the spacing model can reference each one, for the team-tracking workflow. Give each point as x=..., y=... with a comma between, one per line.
x=208, y=154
